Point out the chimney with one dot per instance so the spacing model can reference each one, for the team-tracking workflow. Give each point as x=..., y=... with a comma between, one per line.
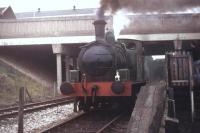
x=99, y=26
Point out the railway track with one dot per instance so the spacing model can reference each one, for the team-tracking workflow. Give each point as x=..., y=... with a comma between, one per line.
x=91, y=122
x=13, y=111
x=119, y=125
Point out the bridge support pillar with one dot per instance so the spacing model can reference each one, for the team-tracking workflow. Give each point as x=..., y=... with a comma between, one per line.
x=177, y=44
x=67, y=63
x=58, y=50
x=59, y=70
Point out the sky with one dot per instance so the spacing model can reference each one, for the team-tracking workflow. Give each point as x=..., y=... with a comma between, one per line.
x=44, y=5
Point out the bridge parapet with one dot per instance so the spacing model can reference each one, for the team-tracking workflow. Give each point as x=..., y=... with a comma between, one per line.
x=47, y=27
x=83, y=25
x=163, y=23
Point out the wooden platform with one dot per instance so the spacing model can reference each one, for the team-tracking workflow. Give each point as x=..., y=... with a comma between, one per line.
x=147, y=114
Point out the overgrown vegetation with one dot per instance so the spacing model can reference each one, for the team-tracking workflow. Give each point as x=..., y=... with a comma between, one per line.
x=10, y=82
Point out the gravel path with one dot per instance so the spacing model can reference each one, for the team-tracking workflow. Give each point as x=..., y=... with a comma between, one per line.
x=37, y=119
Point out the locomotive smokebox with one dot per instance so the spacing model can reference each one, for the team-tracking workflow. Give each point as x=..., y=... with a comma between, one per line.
x=99, y=57
x=99, y=26
x=96, y=59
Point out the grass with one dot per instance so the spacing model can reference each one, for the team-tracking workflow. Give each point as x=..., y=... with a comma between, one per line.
x=10, y=82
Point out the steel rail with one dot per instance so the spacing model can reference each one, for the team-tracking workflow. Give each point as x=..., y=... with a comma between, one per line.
x=39, y=107
x=59, y=125
x=109, y=123
x=33, y=104
x=56, y=126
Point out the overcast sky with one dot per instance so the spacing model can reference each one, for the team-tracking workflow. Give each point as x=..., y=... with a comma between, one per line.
x=33, y=5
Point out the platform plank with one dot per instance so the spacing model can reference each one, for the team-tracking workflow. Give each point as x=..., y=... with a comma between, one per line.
x=147, y=114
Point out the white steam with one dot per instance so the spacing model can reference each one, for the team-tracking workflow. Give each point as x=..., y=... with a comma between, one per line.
x=120, y=21
x=186, y=11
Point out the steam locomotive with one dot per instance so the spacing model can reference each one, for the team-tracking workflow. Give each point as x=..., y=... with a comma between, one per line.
x=108, y=71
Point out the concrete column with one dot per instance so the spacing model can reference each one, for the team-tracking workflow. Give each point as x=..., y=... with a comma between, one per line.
x=59, y=70
x=67, y=63
x=58, y=50
x=177, y=44
x=74, y=63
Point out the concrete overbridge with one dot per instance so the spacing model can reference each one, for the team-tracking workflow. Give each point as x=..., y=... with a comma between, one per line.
x=82, y=26
x=29, y=45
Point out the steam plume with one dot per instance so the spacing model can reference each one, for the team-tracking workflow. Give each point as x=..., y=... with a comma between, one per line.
x=120, y=21
x=100, y=14
x=160, y=6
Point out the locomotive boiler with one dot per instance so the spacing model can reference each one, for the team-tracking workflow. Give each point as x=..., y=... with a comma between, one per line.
x=108, y=71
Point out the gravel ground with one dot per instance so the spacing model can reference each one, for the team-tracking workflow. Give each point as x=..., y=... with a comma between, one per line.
x=37, y=119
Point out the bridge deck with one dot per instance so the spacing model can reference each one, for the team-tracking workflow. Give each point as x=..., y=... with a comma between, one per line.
x=82, y=26
x=86, y=39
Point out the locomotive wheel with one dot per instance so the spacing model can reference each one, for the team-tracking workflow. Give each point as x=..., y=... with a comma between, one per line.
x=86, y=108
x=83, y=106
